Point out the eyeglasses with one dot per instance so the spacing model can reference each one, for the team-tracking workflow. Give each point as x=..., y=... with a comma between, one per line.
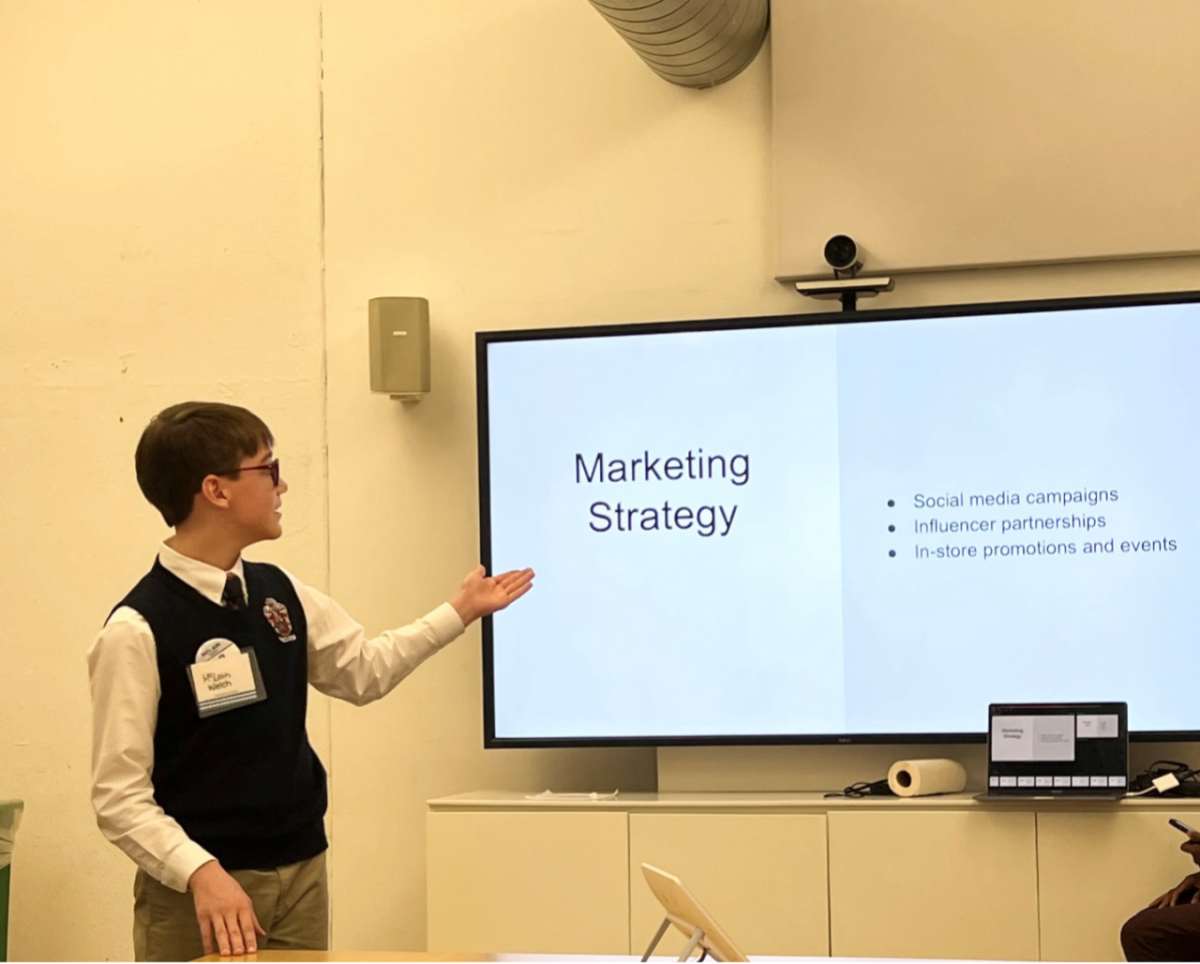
x=272, y=467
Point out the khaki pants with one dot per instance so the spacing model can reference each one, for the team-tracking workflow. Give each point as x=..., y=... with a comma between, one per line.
x=292, y=904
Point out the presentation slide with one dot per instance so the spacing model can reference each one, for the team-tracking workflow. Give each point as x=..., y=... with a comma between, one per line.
x=866, y=528
x=1033, y=738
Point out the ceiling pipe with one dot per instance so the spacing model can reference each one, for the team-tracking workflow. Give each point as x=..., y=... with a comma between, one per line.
x=692, y=43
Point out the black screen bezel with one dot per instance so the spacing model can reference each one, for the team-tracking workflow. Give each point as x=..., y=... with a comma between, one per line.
x=966, y=311
x=1020, y=768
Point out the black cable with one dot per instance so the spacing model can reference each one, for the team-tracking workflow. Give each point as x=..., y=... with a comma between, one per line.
x=877, y=788
x=1189, y=779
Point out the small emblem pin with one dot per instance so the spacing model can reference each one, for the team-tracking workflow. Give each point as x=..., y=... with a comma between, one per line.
x=277, y=615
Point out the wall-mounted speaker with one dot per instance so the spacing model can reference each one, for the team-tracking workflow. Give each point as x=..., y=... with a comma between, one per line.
x=399, y=346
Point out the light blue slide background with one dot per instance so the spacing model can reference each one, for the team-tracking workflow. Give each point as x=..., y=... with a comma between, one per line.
x=798, y=622
x=630, y=633
x=1024, y=403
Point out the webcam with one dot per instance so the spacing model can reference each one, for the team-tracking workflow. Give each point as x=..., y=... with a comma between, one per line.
x=843, y=254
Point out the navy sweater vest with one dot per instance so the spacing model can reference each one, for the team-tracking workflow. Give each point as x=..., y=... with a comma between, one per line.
x=244, y=784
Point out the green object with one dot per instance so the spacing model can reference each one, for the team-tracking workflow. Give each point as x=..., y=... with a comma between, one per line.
x=10, y=820
x=5, y=874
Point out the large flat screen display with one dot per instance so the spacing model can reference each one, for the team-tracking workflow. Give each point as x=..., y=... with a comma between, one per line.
x=843, y=528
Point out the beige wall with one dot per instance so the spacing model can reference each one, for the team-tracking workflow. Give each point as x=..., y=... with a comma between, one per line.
x=1006, y=133
x=161, y=238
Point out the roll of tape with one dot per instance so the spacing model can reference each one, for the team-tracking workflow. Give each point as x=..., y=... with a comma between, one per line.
x=921, y=778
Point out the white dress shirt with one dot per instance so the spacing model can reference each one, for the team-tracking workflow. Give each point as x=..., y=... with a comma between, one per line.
x=123, y=668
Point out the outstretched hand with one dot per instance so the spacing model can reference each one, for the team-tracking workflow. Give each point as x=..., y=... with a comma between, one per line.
x=482, y=595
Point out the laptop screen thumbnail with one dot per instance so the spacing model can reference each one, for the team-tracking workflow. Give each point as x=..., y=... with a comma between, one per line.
x=1058, y=748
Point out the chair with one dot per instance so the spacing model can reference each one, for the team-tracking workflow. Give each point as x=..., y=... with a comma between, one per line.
x=685, y=912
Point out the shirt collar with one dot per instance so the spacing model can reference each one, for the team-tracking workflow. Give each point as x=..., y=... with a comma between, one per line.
x=207, y=580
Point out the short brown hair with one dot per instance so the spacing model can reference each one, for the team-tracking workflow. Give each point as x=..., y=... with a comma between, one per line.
x=187, y=442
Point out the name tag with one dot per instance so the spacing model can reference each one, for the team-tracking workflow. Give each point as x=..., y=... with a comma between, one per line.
x=228, y=681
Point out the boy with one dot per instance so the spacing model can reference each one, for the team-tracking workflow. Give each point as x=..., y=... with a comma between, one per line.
x=202, y=769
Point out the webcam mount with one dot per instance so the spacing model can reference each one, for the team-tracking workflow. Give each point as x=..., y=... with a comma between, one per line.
x=843, y=255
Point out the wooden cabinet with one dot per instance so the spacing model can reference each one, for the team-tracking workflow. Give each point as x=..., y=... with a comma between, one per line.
x=956, y=884
x=800, y=875
x=1095, y=870
x=761, y=876
x=549, y=883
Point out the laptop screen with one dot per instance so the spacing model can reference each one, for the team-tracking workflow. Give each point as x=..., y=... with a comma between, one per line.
x=1057, y=748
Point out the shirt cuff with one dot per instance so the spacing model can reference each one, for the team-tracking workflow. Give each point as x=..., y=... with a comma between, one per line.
x=446, y=623
x=185, y=861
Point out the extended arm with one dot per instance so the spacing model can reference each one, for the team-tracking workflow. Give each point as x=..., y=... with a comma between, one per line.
x=344, y=663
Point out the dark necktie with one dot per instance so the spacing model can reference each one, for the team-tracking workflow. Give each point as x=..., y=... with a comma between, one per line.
x=233, y=597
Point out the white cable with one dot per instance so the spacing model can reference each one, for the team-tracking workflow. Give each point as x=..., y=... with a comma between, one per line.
x=1168, y=781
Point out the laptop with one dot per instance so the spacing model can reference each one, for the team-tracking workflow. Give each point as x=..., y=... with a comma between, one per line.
x=1072, y=751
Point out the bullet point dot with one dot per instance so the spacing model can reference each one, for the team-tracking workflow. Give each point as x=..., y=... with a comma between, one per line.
x=891, y=528
x=892, y=553
x=891, y=503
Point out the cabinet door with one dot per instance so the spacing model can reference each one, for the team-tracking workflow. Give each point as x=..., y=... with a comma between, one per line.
x=1096, y=870
x=547, y=883
x=762, y=877
x=950, y=884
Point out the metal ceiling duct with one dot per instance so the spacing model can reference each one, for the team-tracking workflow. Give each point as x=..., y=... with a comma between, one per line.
x=693, y=43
